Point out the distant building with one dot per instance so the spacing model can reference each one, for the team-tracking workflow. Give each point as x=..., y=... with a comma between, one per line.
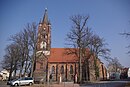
x=124, y=73
x=128, y=72
x=1, y=77
x=54, y=61
x=4, y=74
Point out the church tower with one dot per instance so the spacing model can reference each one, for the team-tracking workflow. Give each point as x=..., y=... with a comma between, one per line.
x=44, y=35
x=43, y=48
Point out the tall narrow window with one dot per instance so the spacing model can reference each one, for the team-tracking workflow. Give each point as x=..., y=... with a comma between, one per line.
x=41, y=45
x=44, y=36
x=71, y=69
x=53, y=70
x=41, y=65
x=62, y=69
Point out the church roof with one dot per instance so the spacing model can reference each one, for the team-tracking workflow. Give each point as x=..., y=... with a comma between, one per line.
x=60, y=55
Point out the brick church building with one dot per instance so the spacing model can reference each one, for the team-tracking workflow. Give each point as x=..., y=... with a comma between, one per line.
x=55, y=62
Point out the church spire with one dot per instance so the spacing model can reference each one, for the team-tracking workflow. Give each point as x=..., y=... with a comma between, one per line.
x=45, y=18
x=44, y=34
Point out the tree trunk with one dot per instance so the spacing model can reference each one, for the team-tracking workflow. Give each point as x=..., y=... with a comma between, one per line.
x=32, y=68
x=11, y=70
x=96, y=68
x=80, y=66
x=87, y=73
x=33, y=63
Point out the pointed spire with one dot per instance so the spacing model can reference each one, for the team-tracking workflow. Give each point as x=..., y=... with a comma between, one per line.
x=45, y=18
x=40, y=23
x=40, y=20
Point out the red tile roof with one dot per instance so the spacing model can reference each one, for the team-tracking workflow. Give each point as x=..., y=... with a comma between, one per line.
x=59, y=55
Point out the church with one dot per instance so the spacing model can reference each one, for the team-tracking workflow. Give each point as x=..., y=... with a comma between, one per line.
x=55, y=61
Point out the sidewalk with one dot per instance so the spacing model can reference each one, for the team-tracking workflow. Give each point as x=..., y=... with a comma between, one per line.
x=91, y=84
x=127, y=85
x=63, y=84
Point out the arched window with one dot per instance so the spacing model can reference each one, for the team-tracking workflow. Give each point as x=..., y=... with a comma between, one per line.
x=53, y=69
x=41, y=65
x=71, y=69
x=62, y=69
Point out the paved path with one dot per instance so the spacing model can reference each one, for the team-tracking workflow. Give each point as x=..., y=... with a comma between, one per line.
x=107, y=84
x=95, y=84
x=63, y=84
x=67, y=84
x=70, y=84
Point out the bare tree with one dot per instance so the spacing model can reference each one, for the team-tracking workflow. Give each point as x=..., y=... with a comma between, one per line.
x=32, y=32
x=127, y=35
x=22, y=51
x=114, y=65
x=98, y=49
x=76, y=37
x=10, y=61
x=28, y=46
x=87, y=43
x=21, y=39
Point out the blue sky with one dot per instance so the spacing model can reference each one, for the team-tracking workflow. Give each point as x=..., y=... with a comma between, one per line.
x=108, y=18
